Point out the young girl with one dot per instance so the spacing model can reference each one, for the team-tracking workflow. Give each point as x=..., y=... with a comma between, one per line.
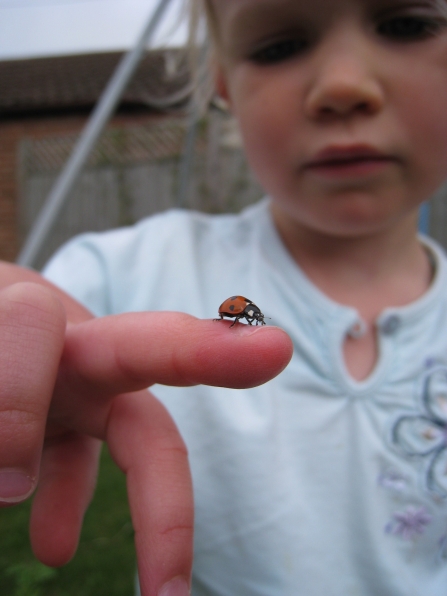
x=331, y=478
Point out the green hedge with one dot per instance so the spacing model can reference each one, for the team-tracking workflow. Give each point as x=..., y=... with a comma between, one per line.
x=105, y=562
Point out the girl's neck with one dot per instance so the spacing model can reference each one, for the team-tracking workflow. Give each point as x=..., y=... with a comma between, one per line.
x=370, y=273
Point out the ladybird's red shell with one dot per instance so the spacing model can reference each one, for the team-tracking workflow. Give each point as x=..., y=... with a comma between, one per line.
x=234, y=305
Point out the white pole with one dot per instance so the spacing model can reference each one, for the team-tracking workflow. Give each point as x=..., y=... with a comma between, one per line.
x=92, y=130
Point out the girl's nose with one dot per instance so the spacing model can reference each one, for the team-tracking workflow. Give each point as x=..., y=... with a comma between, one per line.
x=343, y=86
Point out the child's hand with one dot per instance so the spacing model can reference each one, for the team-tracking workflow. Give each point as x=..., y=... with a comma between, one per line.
x=61, y=393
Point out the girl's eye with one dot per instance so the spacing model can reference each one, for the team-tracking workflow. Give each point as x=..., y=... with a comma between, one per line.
x=278, y=51
x=409, y=28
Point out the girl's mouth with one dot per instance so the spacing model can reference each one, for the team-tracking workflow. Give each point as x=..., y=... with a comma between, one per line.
x=352, y=161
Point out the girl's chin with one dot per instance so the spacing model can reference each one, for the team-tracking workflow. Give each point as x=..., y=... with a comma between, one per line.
x=347, y=223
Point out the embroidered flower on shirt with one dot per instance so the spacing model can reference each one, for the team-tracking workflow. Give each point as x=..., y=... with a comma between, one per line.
x=410, y=523
x=423, y=434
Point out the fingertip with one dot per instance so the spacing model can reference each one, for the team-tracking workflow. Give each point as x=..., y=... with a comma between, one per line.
x=15, y=486
x=271, y=335
x=280, y=339
x=68, y=478
x=239, y=357
x=245, y=330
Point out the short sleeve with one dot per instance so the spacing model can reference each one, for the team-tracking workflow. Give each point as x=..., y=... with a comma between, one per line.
x=78, y=268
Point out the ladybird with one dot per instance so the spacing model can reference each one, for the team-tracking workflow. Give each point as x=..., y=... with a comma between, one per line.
x=238, y=307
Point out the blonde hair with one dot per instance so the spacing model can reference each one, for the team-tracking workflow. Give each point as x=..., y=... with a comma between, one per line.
x=199, y=9
x=201, y=51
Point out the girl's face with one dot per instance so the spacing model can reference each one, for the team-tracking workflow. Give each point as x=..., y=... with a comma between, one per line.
x=342, y=105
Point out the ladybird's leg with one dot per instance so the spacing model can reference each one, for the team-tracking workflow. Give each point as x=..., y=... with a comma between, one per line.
x=236, y=320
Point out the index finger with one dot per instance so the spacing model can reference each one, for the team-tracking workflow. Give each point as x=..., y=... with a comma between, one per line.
x=128, y=352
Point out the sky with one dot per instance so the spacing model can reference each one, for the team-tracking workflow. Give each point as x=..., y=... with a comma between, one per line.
x=36, y=28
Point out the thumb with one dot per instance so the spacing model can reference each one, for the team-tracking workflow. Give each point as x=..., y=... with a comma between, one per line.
x=32, y=328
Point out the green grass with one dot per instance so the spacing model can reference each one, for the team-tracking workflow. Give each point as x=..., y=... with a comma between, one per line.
x=105, y=561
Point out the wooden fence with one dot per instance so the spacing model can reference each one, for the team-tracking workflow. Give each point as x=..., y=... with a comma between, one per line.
x=135, y=172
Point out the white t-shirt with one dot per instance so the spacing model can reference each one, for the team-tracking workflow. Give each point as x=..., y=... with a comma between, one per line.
x=312, y=484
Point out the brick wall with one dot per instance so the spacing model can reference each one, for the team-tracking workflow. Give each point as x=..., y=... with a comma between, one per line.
x=12, y=132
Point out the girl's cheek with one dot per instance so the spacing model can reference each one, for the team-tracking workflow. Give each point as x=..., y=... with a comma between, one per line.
x=260, y=142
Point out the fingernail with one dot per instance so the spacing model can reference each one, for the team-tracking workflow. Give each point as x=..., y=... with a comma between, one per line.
x=176, y=587
x=15, y=486
x=243, y=329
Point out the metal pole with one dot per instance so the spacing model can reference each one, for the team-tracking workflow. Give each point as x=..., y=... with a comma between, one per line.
x=94, y=127
x=188, y=155
x=191, y=132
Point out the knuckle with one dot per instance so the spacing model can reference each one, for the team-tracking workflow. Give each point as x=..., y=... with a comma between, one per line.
x=179, y=531
x=129, y=368
x=12, y=419
x=20, y=433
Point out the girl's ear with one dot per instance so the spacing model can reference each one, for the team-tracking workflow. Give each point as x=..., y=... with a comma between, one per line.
x=221, y=84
